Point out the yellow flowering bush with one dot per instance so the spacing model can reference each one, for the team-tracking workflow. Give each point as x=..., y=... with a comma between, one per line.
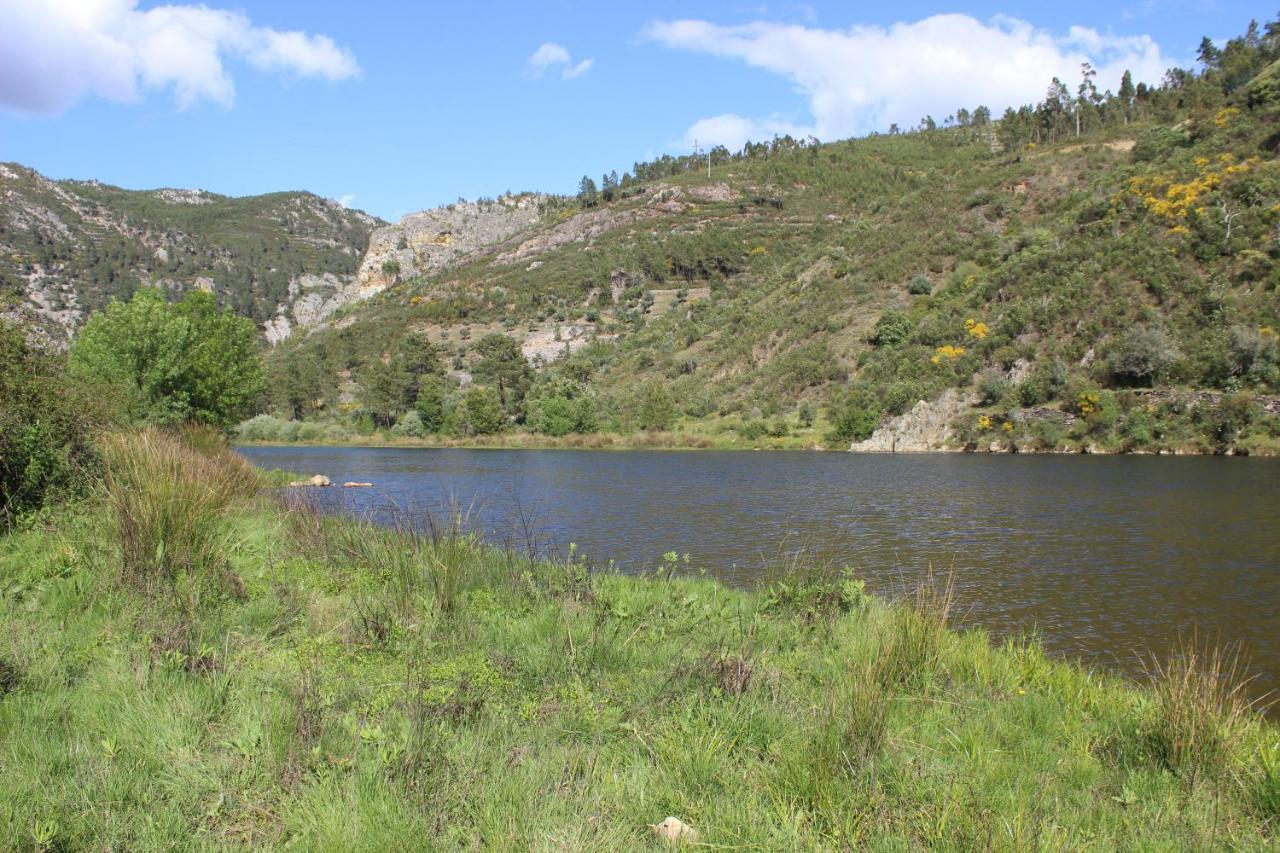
x=758, y=250
x=1007, y=426
x=976, y=328
x=1225, y=116
x=946, y=352
x=1172, y=201
x=984, y=422
x=1088, y=402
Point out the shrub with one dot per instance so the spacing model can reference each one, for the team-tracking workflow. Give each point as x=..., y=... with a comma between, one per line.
x=410, y=424
x=854, y=417
x=920, y=286
x=1047, y=382
x=653, y=406
x=1140, y=354
x=893, y=328
x=46, y=420
x=169, y=503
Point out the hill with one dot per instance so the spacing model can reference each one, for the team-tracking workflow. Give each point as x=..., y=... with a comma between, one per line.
x=1095, y=272
x=68, y=247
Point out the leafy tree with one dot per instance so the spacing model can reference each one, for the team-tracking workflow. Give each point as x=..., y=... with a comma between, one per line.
x=174, y=362
x=388, y=390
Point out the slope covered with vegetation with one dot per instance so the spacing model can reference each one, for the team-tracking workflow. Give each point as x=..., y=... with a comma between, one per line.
x=187, y=663
x=69, y=247
x=1074, y=270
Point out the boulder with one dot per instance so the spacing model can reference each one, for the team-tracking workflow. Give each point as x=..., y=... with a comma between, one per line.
x=320, y=480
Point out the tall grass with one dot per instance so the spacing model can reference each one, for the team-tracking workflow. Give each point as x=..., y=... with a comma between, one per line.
x=1201, y=705
x=169, y=502
x=912, y=645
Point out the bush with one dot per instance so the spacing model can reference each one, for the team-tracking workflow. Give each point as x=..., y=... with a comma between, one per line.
x=560, y=406
x=1046, y=382
x=653, y=406
x=920, y=286
x=410, y=424
x=1140, y=354
x=46, y=420
x=854, y=417
x=893, y=328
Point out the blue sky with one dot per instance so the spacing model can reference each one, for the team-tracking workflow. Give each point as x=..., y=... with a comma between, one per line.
x=397, y=107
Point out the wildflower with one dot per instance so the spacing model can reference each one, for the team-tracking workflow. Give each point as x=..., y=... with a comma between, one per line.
x=1007, y=426
x=984, y=422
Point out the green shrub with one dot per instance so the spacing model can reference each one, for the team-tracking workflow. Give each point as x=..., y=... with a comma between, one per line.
x=893, y=328
x=46, y=421
x=920, y=286
x=1140, y=354
x=854, y=417
x=410, y=424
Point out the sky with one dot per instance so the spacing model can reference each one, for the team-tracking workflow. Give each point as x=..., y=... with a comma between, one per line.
x=393, y=107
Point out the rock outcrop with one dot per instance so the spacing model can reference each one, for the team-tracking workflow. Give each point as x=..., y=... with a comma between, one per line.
x=926, y=428
x=426, y=242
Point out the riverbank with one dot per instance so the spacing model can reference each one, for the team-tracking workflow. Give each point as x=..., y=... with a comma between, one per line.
x=273, y=677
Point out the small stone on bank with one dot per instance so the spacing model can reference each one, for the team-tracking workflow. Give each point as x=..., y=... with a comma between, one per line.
x=674, y=829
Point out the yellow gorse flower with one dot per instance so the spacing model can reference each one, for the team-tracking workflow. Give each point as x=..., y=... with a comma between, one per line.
x=947, y=352
x=976, y=328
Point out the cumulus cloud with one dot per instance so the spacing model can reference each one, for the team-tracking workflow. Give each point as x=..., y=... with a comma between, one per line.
x=55, y=52
x=551, y=55
x=866, y=78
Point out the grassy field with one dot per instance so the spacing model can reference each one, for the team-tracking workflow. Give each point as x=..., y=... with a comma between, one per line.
x=188, y=662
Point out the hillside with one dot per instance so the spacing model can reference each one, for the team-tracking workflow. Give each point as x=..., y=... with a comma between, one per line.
x=1114, y=289
x=68, y=247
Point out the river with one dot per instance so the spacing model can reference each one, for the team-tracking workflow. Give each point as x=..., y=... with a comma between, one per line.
x=1106, y=557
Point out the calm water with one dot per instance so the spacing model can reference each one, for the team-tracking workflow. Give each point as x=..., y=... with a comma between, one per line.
x=1107, y=557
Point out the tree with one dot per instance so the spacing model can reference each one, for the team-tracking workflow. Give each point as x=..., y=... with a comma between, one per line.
x=560, y=406
x=502, y=364
x=1126, y=94
x=430, y=404
x=388, y=390
x=586, y=192
x=609, y=186
x=479, y=413
x=174, y=362
x=1208, y=54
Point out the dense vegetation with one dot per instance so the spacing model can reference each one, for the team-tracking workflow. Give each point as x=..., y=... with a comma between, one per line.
x=1076, y=268
x=188, y=664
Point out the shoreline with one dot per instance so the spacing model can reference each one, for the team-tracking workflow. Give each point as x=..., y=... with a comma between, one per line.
x=614, y=443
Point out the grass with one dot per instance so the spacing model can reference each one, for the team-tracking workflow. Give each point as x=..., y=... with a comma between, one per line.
x=375, y=689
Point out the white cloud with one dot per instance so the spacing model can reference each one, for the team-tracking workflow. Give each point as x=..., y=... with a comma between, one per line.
x=551, y=55
x=731, y=131
x=866, y=78
x=55, y=52
x=347, y=200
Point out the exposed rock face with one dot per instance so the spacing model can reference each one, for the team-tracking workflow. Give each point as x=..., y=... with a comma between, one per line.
x=927, y=427
x=423, y=243
x=312, y=299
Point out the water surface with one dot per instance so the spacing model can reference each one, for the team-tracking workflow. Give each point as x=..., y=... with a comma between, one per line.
x=1106, y=557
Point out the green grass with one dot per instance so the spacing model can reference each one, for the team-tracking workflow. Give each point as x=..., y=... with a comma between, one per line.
x=354, y=689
